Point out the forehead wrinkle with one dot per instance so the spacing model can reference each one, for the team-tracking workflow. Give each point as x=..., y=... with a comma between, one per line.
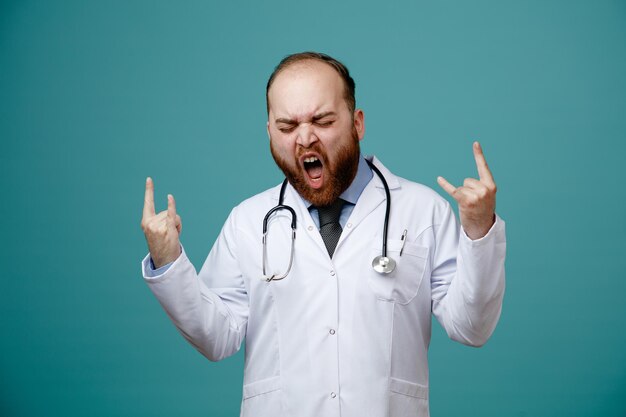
x=306, y=117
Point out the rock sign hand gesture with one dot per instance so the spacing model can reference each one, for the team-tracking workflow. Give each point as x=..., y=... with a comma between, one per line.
x=162, y=230
x=476, y=198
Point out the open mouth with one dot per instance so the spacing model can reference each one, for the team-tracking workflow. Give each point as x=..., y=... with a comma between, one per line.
x=314, y=169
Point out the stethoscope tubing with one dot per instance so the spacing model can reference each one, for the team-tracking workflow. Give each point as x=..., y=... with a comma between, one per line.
x=387, y=203
x=381, y=263
x=280, y=206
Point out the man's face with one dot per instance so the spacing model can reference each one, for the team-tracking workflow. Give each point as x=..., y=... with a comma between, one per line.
x=314, y=137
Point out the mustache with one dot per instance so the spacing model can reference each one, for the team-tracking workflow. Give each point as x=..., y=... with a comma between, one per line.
x=314, y=147
x=341, y=168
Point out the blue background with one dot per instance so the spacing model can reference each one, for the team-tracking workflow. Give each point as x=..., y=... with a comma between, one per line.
x=95, y=96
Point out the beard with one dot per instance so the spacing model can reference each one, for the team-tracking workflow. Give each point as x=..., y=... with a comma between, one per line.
x=338, y=175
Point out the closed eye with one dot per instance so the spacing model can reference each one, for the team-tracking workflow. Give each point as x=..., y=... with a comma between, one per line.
x=324, y=123
x=325, y=119
x=286, y=128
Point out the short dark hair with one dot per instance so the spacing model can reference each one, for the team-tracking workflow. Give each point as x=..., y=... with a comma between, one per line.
x=341, y=69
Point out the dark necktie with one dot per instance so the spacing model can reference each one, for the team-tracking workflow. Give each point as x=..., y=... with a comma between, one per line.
x=330, y=229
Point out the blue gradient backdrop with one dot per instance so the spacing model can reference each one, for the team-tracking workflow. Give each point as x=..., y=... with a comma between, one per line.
x=95, y=96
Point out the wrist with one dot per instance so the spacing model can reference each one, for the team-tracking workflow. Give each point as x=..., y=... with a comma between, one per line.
x=476, y=231
x=159, y=261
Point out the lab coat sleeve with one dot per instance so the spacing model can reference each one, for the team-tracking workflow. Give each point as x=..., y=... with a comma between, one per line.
x=209, y=309
x=467, y=281
x=151, y=272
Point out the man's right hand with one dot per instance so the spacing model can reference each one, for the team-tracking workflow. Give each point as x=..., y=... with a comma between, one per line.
x=162, y=230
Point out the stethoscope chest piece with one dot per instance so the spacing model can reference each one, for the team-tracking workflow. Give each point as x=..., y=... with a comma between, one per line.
x=383, y=264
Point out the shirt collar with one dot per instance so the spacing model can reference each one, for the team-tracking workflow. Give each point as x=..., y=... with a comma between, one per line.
x=353, y=192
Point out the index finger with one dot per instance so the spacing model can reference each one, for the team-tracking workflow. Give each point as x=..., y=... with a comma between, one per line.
x=148, y=201
x=481, y=164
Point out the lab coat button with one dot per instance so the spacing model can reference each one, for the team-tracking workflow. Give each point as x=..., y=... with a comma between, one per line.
x=310, y=228
x=333, y=395
x=332, y=331
x=349, y=225
x=332, y=272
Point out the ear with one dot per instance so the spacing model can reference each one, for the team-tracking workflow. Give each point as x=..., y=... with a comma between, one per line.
x=359, y=123
x=268, y=130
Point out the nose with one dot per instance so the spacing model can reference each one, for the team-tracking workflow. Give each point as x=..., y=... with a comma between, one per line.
x=306, y=135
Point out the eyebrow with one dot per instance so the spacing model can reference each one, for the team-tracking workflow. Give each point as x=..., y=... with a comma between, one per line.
x=322, y=115
x=315, y=118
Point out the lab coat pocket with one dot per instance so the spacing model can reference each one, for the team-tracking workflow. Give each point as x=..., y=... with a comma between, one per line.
x=263, y=398
x=407, y=398
x=401, y=285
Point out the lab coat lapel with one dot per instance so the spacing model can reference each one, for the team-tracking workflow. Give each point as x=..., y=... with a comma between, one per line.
x=372, y=196
x=306, y=228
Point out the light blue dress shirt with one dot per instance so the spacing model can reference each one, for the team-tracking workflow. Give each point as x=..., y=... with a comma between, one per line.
x=350, y=196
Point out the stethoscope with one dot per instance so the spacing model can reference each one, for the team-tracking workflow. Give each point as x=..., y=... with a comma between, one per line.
x=381, y=264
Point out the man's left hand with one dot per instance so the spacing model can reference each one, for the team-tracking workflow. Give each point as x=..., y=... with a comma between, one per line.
x=476, y=198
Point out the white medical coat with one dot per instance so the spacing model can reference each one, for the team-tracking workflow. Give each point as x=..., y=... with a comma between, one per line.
x=335, y=338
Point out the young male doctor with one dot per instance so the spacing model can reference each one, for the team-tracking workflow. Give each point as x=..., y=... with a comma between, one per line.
x=334, y=337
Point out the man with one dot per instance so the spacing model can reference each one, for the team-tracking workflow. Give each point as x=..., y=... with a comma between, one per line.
x=334, y=337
